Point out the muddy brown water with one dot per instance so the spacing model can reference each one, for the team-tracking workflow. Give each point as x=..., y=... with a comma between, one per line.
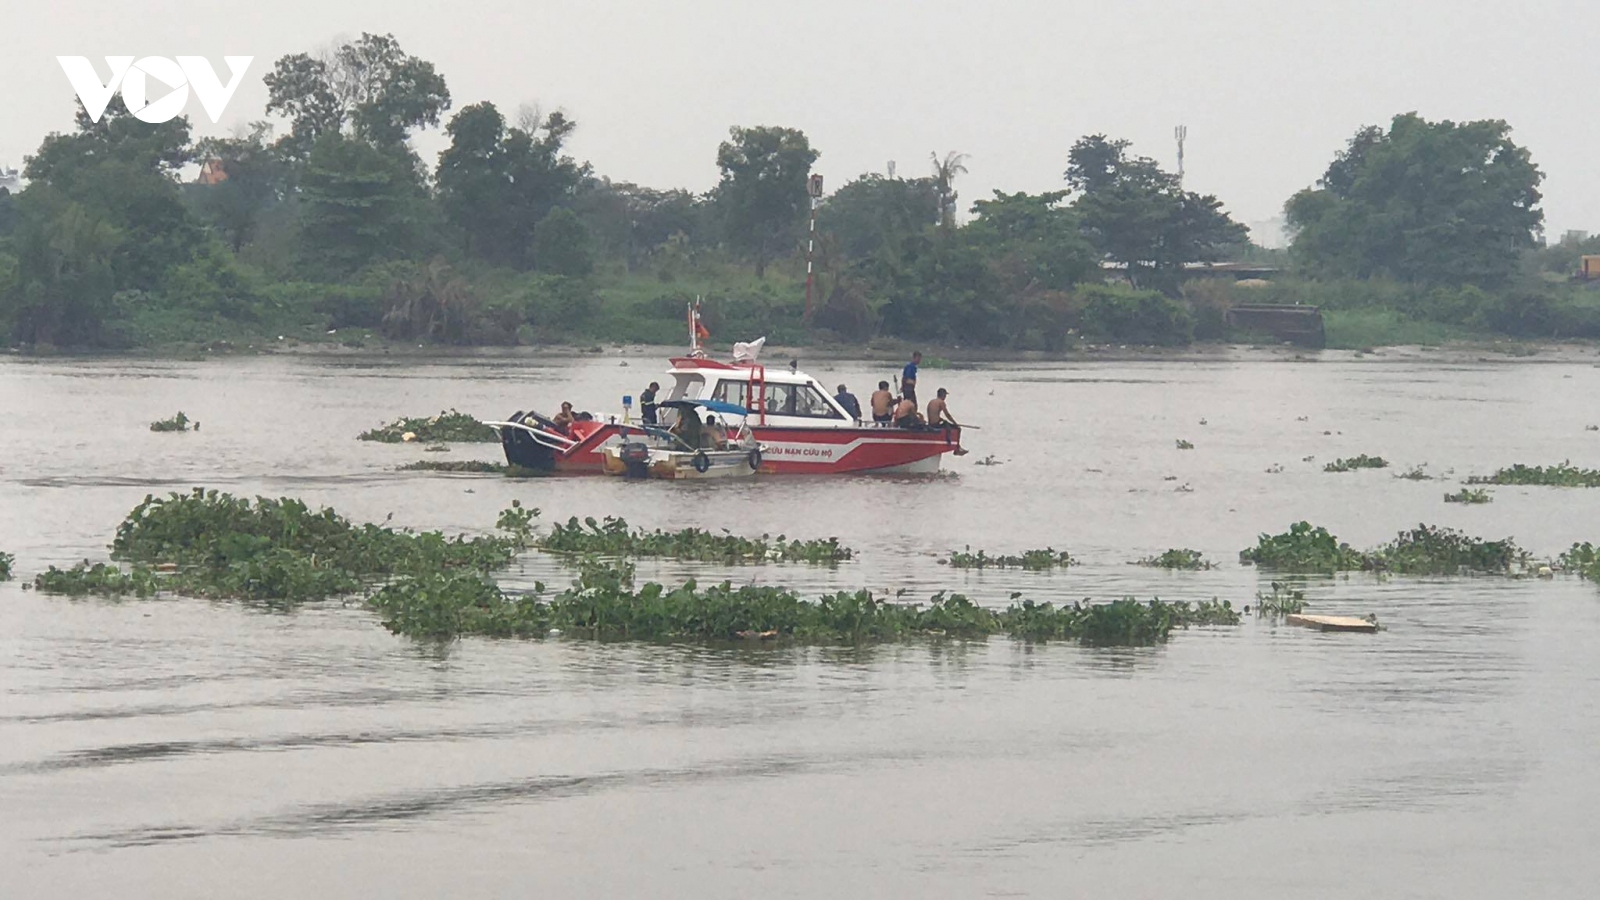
x=179, y=748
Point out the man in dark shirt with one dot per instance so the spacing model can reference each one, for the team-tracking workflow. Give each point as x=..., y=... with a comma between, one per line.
x=849, y=402
x=908, y=378
x=647, y=403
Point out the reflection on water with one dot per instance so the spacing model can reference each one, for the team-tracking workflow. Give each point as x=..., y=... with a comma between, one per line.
x=214, y=748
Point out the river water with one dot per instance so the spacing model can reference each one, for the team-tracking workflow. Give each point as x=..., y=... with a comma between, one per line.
x=179, y=748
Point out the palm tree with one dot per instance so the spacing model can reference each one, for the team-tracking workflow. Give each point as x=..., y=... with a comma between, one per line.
x=944, y=181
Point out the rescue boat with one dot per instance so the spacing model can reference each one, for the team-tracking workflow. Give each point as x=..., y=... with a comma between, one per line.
x=800, y=427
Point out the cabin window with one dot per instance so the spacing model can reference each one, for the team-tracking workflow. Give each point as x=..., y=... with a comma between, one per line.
x=735, y=392
x=802, y=400
x=686, y=386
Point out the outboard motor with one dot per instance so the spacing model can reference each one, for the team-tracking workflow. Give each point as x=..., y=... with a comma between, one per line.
x=635, y=460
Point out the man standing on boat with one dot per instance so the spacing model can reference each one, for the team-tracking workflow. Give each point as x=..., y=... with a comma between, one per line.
x=647, y=403
x=908, y=377
x=849, y=402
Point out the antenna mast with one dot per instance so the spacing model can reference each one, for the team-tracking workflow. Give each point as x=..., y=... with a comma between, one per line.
x=1181, y=133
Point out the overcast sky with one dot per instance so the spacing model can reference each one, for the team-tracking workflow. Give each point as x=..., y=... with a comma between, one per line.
x=1268, y=89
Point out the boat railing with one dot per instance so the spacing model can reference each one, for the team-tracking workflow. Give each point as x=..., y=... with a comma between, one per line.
x=539, y=435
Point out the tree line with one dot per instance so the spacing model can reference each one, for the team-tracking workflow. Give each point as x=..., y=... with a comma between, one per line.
x=336, y=223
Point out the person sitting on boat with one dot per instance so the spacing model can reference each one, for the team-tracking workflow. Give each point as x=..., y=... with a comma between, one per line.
x=647, y=403
x=565, y=418
x=905, y=414
x=939, y=411
x=882, y=404
x=908, y=377
x=687, y=429
x=714, y=436
x=849, y=402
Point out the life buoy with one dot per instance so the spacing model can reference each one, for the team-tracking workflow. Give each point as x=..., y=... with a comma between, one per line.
x=702, y=462
x=754, y=459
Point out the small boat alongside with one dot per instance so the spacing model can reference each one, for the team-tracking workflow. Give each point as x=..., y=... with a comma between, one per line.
x=655, y=452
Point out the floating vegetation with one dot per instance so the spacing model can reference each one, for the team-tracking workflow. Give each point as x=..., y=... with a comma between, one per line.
x=1184, y=445
x=1416, y=473
x=448, y=425
x=1283, y=601
x=1275, y=469
x=99, y=579
x=6, y=562
x=1469, y=495
x=470, y=466
x=1582, y=559
x=1563, y=475
x=1430, y=550
x=1032, y=560
x=1191, y=560
x=179, y=422
x=603, y=603
x=1356, y=462
x=275, y=551
x=989, y=461
x=612, y=537
x=1424, y=550
x=1304, y=548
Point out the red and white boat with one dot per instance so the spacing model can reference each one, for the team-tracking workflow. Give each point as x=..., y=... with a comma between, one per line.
x=802, y=430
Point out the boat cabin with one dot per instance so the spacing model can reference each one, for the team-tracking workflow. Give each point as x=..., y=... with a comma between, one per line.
x=782, y=397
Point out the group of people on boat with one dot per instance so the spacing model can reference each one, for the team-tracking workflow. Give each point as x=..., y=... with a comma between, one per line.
x=900, y=411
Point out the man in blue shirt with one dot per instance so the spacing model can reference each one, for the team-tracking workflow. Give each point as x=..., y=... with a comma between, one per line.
x=908, y=377
x=849, y=402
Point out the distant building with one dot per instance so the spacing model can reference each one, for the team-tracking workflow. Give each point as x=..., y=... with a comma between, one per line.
x=211, y=172
x=10, y=179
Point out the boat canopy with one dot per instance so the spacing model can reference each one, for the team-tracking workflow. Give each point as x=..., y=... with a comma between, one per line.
x=717, y=406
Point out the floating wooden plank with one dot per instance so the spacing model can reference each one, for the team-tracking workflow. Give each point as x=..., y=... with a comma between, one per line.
x=1334, y=623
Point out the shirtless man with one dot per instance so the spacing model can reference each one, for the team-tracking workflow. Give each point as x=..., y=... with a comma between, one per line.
x=939, y=411
x=564, y=419
x=905, y=413
x=882, y=404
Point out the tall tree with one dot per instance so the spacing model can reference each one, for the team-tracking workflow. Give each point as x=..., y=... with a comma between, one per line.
x=358, y=204
x=1429, y=202
x=125, y=171
x=370, y=87
x=762, y=195
x=1137, y=214
x=944, y=181
x=496, y=184
x=873, y=213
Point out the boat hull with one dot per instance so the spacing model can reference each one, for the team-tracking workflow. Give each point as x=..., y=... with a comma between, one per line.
x=680, y=466
x=790, y=451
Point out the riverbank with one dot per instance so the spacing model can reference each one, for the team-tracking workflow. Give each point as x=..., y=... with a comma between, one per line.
x=1485, y=349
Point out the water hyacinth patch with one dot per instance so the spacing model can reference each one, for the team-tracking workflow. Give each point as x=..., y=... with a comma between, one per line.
x=99, y=579
x=1563, y=475
x=211, y=544
x=179, y=422
x=1304, y=548
x=448, y=425
x=1469, y=495
x=1581, y=559
x=6, y=562
x=1191, y=560
x=1031, y=560
x=613, y=537
x=1184, y=445
x=1283, y=601
x=1356, y=462
x=1430, y=550
x=603, y=603
x=470, y=466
